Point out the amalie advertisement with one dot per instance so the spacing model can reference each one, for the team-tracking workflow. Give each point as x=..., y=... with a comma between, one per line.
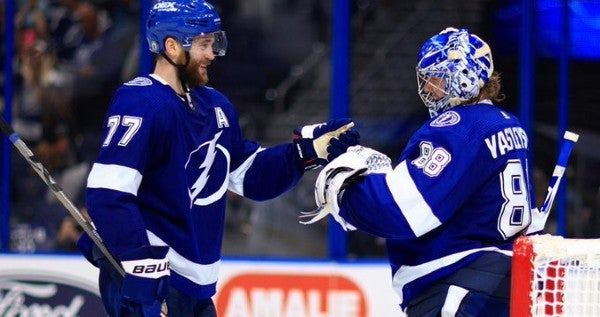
x=66, y=286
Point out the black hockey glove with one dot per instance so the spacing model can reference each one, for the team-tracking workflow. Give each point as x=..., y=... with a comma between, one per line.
x=315, y=145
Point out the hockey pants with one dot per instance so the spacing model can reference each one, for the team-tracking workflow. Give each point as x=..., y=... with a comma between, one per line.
x=481, y=289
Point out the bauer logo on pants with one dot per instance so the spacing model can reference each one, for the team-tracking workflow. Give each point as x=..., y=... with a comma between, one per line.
x=288, y=295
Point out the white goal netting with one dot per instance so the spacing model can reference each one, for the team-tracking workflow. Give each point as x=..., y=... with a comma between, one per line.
x=553, y=276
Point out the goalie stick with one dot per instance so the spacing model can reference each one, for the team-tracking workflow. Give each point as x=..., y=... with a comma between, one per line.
x=569, y=140
x=43, y=173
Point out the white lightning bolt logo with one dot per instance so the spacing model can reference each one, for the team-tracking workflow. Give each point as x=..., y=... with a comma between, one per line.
x=205, y=167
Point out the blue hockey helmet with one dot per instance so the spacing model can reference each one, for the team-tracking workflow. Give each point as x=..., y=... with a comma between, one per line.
x=456, y=64
x=184, y=20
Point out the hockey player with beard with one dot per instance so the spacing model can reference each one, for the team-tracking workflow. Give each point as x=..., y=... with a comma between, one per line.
x=459, y=195
x=172, y=149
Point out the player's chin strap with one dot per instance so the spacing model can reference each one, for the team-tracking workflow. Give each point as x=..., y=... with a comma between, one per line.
x=182, y=77
x=347, y=168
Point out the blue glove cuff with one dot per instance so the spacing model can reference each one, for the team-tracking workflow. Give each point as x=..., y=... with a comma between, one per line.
x=304, y=136
x=145, y=290
x=306, y=154
x=146, y=274
x=146, y=252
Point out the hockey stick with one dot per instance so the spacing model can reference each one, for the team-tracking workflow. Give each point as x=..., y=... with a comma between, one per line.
x=57, y=190
x=540, y=216
x=39, y=168
x=569, y=140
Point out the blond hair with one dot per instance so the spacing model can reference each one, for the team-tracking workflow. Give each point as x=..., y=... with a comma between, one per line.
x=491, y=90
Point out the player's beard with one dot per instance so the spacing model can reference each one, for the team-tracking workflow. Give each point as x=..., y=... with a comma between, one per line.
x=194, y=77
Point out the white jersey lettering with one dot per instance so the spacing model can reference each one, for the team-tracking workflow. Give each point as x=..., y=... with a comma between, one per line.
x=506, y=140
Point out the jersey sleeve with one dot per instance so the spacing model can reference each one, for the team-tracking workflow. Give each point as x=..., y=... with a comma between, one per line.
x=133, y=133
x=273, y=172
x=256, y=172
x=263, y=173
x=431, y=180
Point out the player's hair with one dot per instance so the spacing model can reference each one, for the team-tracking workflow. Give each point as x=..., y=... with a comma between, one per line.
x=491, y=90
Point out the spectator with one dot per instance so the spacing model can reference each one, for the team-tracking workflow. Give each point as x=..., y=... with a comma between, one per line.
x=97, y=67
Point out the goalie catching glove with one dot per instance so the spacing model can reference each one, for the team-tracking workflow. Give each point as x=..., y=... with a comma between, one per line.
x=349, y=167
x=320, y=143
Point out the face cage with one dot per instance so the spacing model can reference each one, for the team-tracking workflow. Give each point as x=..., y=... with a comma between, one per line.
x=219, y=46
x=433, y=104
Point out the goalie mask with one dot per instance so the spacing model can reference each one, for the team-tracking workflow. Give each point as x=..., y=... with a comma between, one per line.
x=452, y=67
x=184, y=20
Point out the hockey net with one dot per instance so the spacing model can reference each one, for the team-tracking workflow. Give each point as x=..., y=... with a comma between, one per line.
x=554, y=276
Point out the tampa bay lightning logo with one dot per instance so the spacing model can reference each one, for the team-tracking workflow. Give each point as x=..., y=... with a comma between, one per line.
x=446, y=119
x=207, y=168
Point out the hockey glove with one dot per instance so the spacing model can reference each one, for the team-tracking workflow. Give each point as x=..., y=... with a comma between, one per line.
x=146, y=281
x=338, y=146
x=312, y=142
x=348, y=168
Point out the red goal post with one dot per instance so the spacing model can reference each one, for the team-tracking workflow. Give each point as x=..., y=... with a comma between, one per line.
x=554, y=276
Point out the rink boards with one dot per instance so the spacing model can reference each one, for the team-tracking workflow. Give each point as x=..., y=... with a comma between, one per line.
x=65, y=285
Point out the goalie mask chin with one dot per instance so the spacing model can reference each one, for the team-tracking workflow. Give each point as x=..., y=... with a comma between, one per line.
x=452, y=68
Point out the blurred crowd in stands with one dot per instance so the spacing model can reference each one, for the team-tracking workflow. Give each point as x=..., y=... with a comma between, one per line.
x=70, y=56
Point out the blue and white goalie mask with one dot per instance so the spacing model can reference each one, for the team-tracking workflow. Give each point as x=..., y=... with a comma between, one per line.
x=452, y=67
x=184, y=20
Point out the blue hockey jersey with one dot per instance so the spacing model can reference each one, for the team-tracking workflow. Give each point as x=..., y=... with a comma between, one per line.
x=461, y=188
x=163, y=171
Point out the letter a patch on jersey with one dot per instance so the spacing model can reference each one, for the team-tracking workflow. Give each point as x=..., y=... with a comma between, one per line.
x=222, y=121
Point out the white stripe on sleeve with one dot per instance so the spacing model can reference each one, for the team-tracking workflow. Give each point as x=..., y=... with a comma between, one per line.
x=415, y=209
x=115, y=177
x=236, y=178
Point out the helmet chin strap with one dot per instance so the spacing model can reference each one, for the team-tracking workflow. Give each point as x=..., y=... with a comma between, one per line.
x=181, y=74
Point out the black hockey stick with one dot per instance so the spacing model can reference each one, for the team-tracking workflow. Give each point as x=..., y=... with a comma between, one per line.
x=39, y=168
